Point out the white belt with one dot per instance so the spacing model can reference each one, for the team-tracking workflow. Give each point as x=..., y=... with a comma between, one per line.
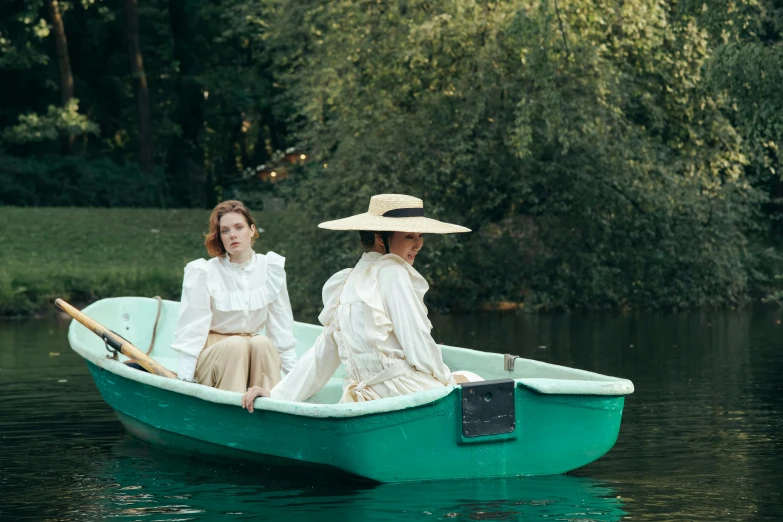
x=353, y=392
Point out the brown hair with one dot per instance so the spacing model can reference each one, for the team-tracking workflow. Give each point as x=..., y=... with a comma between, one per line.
x=213, y=242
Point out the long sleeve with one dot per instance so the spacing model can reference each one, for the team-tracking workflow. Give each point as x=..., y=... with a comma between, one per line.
x=280, y=329
x=411, y=328
x=280, y=321
x=319, y=363
x=311, y=373
x=195, y=318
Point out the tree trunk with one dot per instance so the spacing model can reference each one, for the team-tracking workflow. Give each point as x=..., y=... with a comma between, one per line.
x=146, y=150
x=63, y=63
x=186, y=154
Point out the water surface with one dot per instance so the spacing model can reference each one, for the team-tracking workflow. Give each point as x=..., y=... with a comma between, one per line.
x=702, y=436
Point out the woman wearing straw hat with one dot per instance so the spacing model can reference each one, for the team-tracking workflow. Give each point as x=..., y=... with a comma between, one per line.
x=374, y=317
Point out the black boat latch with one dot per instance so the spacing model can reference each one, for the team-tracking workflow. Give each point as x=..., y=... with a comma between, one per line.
x=488, y=408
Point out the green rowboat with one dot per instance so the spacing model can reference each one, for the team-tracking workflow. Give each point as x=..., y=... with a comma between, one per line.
x=529, y=418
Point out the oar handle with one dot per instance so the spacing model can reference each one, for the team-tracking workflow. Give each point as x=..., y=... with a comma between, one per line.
x=115, y=341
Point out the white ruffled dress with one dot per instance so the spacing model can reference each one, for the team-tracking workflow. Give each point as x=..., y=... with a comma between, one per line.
x=375, y=322
x=230, y=298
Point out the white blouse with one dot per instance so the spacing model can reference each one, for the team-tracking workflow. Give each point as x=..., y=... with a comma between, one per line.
x=230, y=298
x=375, y=322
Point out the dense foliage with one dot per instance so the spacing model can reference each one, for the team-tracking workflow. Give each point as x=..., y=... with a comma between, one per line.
x=605, y=154
x=209, y=91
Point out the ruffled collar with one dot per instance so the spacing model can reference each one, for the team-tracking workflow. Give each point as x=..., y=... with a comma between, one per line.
x=368, y=290
x=376, y=260
x=240, y=266
x=371, y=257
x=420, y=285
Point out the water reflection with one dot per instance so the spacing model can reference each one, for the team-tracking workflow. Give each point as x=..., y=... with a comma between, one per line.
x=136, y=480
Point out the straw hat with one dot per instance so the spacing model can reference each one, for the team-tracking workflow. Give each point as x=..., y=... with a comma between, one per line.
x=394, y=213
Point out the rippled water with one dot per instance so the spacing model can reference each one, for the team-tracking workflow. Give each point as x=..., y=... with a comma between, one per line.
x=702, y=436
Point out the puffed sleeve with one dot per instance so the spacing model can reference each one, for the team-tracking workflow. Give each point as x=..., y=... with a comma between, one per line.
x=319, y=363
x=195, y=318
x=411, y=326
x=280, y=322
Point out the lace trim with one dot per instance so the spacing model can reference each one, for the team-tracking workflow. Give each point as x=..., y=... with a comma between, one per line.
x=247, y=263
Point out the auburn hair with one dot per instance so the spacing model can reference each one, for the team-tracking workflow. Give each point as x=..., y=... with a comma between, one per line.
x=212, y=238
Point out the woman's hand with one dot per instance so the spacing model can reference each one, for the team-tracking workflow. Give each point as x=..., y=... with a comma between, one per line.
x=250, y=396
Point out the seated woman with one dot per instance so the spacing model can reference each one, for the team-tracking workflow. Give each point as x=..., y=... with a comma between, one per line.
x=374, y=317
x=226, y=301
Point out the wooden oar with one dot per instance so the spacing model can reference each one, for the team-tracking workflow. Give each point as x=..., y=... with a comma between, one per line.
x=115, y=341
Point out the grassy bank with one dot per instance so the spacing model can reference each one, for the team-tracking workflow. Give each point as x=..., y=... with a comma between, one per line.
x=83, y=254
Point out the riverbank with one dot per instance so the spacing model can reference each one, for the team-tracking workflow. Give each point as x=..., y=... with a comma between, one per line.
x=84, y=254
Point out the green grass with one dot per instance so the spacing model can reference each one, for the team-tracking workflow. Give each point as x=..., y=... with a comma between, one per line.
x=84, y=254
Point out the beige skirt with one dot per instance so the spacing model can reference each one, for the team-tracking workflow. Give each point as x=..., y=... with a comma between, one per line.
x=235, y=362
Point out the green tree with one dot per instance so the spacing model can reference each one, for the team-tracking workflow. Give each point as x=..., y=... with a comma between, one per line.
x=63, y=62
x=196, y=109
x=575, y=138
x=140, y=88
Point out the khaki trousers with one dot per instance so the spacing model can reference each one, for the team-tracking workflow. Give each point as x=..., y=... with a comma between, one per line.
x=237, y=362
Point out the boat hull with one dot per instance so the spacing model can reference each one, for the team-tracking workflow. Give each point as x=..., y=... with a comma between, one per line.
x=552, y=434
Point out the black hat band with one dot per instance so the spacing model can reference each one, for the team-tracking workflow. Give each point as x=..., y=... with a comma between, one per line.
x=404, y=212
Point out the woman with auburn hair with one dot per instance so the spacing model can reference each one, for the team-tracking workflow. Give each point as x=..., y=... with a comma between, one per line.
x=226, y=302
x=374, y=317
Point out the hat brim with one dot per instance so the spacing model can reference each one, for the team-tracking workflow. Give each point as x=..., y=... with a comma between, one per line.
x=371, y=222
